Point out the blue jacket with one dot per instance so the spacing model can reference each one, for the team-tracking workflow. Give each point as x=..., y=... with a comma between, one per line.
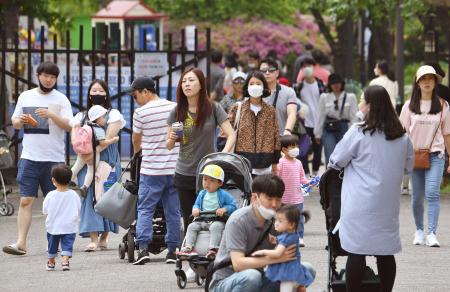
x=225, y=201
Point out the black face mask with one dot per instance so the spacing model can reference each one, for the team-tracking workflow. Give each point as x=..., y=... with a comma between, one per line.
x=98, y=99
x=43, y=88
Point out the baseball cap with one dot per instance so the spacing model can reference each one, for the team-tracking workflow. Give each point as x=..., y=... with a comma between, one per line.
x=214, y=171
x=141, y=83
x=96, y=112
x=239, y=74
x=427, y=69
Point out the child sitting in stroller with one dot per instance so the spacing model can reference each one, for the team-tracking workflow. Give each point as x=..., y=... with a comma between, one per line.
x=211, y=205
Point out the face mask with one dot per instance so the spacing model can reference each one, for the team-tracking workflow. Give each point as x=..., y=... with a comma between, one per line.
x=255, y=90
x=294, y=152
x=360, y=115
x=98, y=99
x=251, y=65
x=266, y=213
x=43, y=88
x=308, y=71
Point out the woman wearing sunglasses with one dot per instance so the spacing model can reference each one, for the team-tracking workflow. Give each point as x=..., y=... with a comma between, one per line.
x=337, y=109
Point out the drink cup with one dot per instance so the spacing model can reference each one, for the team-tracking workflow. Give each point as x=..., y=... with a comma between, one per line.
x=177, y=127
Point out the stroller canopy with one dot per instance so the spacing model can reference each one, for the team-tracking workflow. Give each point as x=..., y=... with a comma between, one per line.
x=237, y=169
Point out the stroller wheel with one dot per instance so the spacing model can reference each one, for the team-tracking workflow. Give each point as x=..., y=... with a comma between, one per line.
x=181, y=280
x=122, y=251
x=199, y=280
x=131, y=247
x=10, y=209
x=3, y=209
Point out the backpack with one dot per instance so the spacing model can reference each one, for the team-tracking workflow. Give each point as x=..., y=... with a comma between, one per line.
x=82, y=142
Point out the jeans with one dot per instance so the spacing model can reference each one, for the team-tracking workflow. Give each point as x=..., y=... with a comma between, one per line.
x=301, y=222
x=317, y=153
x=330, y=139
x=152, y=189
x=66, y=240
x=215, y=229
x=426, y=183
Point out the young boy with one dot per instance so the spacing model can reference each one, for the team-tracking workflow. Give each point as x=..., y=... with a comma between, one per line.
x=212, y=199
x=290, y=170
x=62, y=207
x=97, y=119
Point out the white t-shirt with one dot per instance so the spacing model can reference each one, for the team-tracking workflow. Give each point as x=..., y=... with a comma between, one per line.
x=45, y=142
x=255, y=108
x=63, y=211
x=113, y=116
x=310, y=95
x=150, y=120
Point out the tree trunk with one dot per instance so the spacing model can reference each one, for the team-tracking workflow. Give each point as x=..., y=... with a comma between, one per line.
x=344, y=61
x=380, y=46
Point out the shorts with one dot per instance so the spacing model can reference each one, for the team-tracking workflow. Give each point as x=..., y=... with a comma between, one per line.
x=32, y=174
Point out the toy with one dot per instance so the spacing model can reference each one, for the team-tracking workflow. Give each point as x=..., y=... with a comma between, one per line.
x=306, y=188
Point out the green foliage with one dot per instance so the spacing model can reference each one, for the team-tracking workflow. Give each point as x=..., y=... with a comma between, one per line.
x=278, y=11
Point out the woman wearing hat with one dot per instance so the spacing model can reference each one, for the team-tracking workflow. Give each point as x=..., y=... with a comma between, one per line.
x=427, y=122
x=337, y=109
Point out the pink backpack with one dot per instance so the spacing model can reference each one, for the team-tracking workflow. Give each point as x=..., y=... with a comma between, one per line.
x=82, y=142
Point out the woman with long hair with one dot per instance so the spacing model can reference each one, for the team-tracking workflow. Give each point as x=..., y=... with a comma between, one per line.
x=257, y=138
x=427, y=122
x=197, y=118
x=370, y=197
x=385, y=78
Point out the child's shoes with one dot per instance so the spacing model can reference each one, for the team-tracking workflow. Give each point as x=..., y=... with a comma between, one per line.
x=65, y=266
x=50, y=266
x=211, y=254
x=186, y=253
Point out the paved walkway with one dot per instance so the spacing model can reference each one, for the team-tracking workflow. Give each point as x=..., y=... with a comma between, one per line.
x=419, y=268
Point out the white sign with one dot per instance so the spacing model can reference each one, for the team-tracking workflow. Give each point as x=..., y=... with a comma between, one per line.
x=150, y=64
x=190, y=37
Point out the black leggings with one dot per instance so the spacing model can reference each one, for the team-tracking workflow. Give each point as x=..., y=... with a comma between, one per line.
x=186, y=192
x=317, y=153
x=355, y=272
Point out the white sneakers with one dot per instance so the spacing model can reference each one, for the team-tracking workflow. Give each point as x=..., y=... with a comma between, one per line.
x=431, y=240
x=301, y=243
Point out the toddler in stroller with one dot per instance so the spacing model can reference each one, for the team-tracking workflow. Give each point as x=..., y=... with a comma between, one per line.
x=234, y=174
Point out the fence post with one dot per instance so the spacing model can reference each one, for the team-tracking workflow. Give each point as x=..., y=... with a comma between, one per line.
x=93, y=53
x=169, y=61
x=4, y=111
x=80, y=69
x=208, y=52
x=29, y=57
x=41, y=37
x=68, y=89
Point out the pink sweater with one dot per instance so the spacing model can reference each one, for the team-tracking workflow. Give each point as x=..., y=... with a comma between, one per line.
x=421, y=128
x=292, y=174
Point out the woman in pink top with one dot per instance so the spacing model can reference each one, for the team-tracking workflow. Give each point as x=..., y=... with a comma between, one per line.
x=427, y=121
x=290, y=170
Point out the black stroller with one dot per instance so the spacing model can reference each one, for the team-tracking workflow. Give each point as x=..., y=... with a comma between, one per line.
x=128, y=246
x=238, y=182
x=6, y=162
x=330, y=199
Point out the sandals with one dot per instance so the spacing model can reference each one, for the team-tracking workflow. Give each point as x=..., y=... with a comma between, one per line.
x=65, y=266
x=90, y=248
x=103, y=246
x=50, y=266
x=14, y=250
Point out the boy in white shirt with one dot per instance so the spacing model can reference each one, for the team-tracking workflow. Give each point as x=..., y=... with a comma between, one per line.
x=62, y=207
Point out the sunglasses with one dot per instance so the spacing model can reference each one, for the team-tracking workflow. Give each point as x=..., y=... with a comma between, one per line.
x=336, y=106
x=239, y=81
x=268, y=70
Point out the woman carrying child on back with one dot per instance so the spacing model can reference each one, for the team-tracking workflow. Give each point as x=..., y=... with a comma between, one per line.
x=293, y=273
x=211, y=199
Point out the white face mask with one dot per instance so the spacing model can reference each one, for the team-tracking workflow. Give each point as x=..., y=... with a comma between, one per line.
x=255, y=90
x=308, y=71
x=251, y=65
x=294, y=152
x=360, y=115
x=266, y=213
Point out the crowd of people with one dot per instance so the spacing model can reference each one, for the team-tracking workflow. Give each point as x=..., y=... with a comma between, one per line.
x=250, y=112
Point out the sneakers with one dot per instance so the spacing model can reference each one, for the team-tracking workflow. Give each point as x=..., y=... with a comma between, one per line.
x=301, y=243
x=419, y=237
x=50, y=266
x=171, y=258
x=65, y=266
x=186, y=253
x=432, y=240
x=83, y=191
x=143, y=258
x=211, y=254
x=405, y=191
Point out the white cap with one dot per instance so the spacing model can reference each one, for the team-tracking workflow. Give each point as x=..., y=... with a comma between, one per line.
x=239, y=74
x=427, y=69
x=96, y=112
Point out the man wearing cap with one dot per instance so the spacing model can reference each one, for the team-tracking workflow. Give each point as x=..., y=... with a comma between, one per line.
x=44, y=114
x=157, y=168
x=236, y=95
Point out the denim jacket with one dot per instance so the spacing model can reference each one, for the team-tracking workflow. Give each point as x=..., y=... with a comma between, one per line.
x=225, y=201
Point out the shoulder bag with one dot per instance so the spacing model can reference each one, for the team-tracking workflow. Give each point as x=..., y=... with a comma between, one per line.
x=332, y=124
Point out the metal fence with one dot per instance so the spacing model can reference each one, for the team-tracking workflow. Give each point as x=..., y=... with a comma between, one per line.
x=87, y=65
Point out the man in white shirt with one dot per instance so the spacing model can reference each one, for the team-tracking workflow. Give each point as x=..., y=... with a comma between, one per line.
x=44, y=114
x=157, y=168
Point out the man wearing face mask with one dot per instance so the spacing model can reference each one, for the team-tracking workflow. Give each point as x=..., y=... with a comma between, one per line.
x=253, y=59
x=310, y=90
x=44, y=114
x=246, y=231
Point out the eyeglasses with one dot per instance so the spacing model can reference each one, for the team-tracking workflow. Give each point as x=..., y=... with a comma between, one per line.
x=239, y=81
x=268, y=70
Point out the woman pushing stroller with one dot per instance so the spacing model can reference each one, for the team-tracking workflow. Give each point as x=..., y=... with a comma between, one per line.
x=216, y=203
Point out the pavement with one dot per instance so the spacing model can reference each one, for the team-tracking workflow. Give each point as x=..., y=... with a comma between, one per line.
x=419, y=268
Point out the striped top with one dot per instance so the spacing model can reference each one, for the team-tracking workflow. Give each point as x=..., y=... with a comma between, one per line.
x=151, y=121
x=292, y=174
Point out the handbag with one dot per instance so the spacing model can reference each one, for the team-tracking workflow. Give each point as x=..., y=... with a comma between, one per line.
x=237, y=120
x=422, y=156
x=332, y=124
x=118, y=204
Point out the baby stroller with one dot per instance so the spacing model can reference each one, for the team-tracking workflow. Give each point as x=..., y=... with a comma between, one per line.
x=128, y=246
x=330, y=199
x=238, y=182
x=6, y=161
